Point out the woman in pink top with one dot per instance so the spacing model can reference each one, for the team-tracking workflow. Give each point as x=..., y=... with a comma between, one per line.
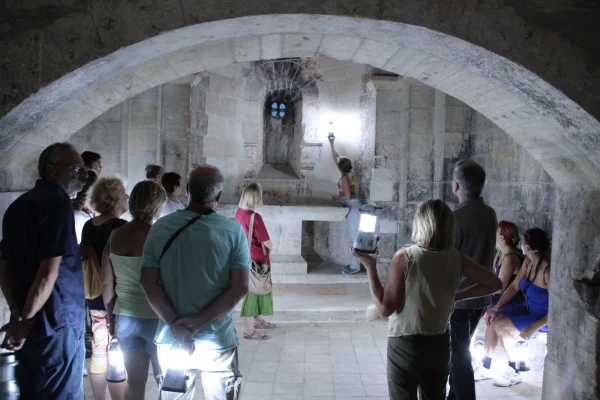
x=255, y=305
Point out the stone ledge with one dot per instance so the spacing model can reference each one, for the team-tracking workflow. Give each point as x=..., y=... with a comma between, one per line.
x=292, y=213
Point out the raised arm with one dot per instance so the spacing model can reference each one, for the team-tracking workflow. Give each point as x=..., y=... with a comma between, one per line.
x=334, y=154
x=485, y=282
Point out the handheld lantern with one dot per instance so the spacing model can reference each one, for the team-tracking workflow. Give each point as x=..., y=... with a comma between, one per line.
x=116, y=365
x=366, y=237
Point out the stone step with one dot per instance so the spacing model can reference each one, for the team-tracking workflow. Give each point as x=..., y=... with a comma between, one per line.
x=324, y=273
x=337, y=302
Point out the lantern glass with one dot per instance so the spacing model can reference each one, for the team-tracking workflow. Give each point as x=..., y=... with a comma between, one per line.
x=367, y=223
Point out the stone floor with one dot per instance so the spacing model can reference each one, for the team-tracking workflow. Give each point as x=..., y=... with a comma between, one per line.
x=332, y=361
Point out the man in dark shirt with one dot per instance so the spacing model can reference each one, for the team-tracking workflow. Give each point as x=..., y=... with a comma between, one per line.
x=41, y=278
x=475, y=236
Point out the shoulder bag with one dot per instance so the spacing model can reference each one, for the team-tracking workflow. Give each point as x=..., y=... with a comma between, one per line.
x=260, y=274
x=90, y=268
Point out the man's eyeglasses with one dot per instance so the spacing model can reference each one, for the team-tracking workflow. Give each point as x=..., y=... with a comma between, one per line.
x=76, y=168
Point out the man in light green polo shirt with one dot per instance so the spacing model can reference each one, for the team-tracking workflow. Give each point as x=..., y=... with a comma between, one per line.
x=194, y=271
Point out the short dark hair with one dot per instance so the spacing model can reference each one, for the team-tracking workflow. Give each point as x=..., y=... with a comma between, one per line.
x=89, y=158
x=79, y=201
x=153, y=170
x=170, y=180
x=470, y=177
x=205, y=183
x=345, y=165
x=537, y=239
x=50, y=156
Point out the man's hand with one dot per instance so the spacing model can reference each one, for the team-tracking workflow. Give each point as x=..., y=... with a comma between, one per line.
x=528, y=332
x=16, y=333
x=191, y=324
x=183, y=335
x=368, y=260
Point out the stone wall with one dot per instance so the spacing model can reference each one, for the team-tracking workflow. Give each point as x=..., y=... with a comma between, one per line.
x=420, y=134
x=517, y=186
x=150, y=128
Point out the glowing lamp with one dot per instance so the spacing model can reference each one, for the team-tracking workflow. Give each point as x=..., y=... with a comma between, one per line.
x=366, y=237
x=116, y=365
x=331, y=134
x=178, y=378
x=522, y=354
x=9, y=389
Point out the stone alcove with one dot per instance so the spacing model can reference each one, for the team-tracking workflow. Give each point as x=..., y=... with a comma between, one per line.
x=281, y=135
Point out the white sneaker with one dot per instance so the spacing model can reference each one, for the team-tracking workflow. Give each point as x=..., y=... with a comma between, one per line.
x=85, y=372
x=508, y=378
x=481, y=373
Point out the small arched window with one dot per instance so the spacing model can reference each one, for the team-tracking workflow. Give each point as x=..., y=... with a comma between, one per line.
x=278, y=110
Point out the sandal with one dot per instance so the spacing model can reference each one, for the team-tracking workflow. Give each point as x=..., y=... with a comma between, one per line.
x=256, y=335
x=264, y=324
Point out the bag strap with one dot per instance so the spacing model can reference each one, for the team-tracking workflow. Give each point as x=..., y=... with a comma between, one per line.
x=251, y=231
x=176, y=234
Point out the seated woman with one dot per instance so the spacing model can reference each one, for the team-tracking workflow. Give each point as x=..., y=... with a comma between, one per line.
x=418, y=296
x=508, y=260
x=136, y=321
x=533, y=280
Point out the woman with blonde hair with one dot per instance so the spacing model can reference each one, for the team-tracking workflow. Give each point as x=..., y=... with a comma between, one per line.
x=135, y=321
x=255, y=305
x=418, y=297
x=110, y=200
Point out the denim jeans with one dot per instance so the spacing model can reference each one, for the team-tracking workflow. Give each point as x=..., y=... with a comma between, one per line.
x=52, y=367
x=137, y=334
x=352, y=224
x=462, y=327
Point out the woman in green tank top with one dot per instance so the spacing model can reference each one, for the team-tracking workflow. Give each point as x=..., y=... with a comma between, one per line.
x=508, y=260
x=418, y=297
x=131, y=318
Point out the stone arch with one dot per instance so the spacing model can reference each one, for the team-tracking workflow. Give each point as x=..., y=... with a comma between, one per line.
x=556, y=131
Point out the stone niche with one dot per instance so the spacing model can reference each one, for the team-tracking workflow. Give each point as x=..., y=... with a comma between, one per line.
x=281, y=136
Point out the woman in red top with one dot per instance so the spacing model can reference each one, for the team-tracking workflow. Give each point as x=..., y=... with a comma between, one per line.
x=255, y=306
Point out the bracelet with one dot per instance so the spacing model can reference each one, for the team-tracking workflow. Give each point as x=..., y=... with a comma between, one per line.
x=495, y=309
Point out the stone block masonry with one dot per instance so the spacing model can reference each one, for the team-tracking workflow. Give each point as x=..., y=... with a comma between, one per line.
x=420, y=134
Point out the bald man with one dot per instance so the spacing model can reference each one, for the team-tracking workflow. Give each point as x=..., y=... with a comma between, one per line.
x=194, y=271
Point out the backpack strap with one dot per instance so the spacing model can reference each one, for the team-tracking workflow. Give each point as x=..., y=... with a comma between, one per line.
x=251, y=231
x=176, y=234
